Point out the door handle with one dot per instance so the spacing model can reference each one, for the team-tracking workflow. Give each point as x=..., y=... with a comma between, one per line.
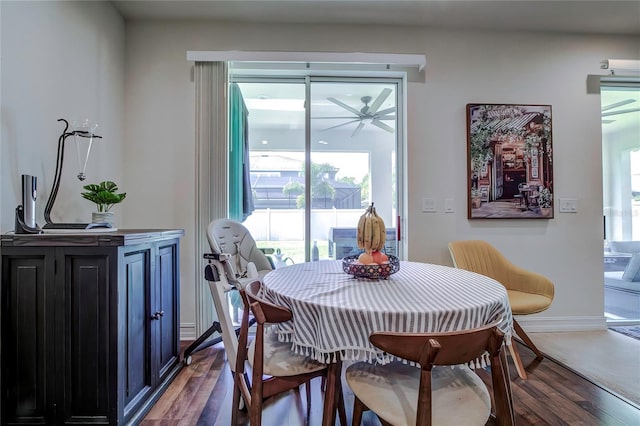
x=157, y=315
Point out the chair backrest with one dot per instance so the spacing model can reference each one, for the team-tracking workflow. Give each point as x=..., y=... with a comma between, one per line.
x=227, y=237
x=231, y=237
x=265, y=313
x=480, y=257
x=431, y=349
x=452, y=348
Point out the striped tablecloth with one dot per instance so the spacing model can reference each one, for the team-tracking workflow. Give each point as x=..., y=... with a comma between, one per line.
x=334, y=313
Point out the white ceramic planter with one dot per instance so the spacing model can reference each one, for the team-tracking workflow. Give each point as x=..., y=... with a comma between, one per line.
x=102, y=217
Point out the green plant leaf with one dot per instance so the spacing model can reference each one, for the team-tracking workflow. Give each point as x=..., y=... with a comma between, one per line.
x=103, y=195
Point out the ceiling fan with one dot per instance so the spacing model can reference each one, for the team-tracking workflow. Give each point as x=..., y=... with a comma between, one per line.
x=367, y=114
x=606, y=110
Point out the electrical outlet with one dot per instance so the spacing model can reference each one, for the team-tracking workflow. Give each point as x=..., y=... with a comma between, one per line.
x=568, y=205
x=428, y=205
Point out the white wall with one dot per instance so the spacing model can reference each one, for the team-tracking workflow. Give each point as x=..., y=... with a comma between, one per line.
x=65, y=58
x=59, y=60
x=463, y=67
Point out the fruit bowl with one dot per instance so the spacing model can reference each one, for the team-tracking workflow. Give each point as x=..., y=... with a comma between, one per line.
x=351, y=266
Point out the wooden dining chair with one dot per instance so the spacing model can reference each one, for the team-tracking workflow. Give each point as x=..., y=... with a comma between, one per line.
x=528, y=291
x=443, y=390
x=274, y=367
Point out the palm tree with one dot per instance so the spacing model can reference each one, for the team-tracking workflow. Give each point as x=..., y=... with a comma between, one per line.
x=321, y=187
x=293, y=188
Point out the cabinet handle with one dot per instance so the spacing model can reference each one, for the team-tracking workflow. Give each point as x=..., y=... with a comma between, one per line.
x=157, y=315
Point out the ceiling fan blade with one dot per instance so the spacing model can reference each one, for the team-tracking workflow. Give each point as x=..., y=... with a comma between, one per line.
x=340, y=125
x=386, y=117
x=617, y=104
x=622, y=111
x=382, y=125
x=357, y=130
x=608, y=121
x=379, y=100
x=345, y=106
x=335, y=118
x=386, y=111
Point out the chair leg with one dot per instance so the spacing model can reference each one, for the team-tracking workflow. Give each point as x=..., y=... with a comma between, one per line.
x=516, y=359
x=235, y=408
x=308, y=389
x=527, y=341
x=358, y=408
x=255, y=409
x=255, y=413
x=331, y=398
x=502, y=397
x=342, y=413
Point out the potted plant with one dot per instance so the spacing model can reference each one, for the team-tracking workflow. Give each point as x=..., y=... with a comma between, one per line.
x=476, y=198
x=105, y=196
x=545, y=202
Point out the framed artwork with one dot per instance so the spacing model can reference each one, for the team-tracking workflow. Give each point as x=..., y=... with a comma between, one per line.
x=509, y=161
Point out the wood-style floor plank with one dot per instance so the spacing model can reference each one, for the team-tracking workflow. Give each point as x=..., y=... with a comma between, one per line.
x=201, y=394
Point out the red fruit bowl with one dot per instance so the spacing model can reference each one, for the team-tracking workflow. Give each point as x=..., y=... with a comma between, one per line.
x=351, y=266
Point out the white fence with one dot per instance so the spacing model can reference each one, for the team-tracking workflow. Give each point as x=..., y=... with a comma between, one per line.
x=288, y=224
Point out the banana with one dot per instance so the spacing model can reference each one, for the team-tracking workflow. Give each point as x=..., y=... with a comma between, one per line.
x=360, y=230
x=382, y=231
x=368, y=231
x=371, y=233
x=375, y=232
x=379, y=233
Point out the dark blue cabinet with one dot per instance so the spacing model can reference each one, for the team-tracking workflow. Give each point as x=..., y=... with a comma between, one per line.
x=90, y=325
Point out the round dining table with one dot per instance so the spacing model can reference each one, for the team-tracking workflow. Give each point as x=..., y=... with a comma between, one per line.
x=334, y=312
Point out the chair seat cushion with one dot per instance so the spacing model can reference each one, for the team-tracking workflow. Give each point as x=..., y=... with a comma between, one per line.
x=459, y=397
x=527, y=303
x=280, y=360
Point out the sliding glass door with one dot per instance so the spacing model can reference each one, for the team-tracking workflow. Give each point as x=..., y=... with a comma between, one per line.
x=621, y=191
x=320, y=151
x=353, y=161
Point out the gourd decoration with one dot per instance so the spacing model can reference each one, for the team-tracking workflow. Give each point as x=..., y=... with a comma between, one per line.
x=371, y=236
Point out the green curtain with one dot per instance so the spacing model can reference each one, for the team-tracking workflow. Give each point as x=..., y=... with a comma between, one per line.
x=240, y=197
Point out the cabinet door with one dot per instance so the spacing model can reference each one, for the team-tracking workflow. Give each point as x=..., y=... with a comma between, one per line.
x=165, y=326
x=135, y=383
x=85, y=278
x=28, y=319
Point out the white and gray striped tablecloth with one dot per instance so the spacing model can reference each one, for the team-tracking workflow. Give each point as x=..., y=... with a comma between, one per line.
x=334, y=313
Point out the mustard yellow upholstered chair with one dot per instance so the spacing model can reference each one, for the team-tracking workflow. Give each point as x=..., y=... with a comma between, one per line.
x=529, y=292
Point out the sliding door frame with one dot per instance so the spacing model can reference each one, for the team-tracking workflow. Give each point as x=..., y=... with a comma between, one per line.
x=400, y=142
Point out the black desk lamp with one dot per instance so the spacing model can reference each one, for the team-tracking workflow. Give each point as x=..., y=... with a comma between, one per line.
x=83, y=134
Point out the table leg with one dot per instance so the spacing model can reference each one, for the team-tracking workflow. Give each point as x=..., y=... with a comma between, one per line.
x=332, y=393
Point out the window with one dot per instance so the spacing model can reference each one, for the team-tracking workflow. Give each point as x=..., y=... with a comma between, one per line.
x=314, y=170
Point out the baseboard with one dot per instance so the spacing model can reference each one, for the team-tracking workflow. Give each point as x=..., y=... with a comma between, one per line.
x=553, y=324
x=188, y=331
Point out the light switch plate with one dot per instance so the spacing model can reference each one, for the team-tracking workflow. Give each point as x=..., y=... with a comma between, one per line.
x=449, y=206
x=568, y=205
x=428, y=205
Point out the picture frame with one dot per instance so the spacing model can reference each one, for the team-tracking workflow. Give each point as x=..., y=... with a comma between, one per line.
x=509, y=161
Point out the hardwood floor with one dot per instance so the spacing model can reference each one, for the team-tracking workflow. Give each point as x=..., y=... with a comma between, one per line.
x=552, y=395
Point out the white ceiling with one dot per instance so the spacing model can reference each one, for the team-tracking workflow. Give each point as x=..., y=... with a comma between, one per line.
x=600, y=17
